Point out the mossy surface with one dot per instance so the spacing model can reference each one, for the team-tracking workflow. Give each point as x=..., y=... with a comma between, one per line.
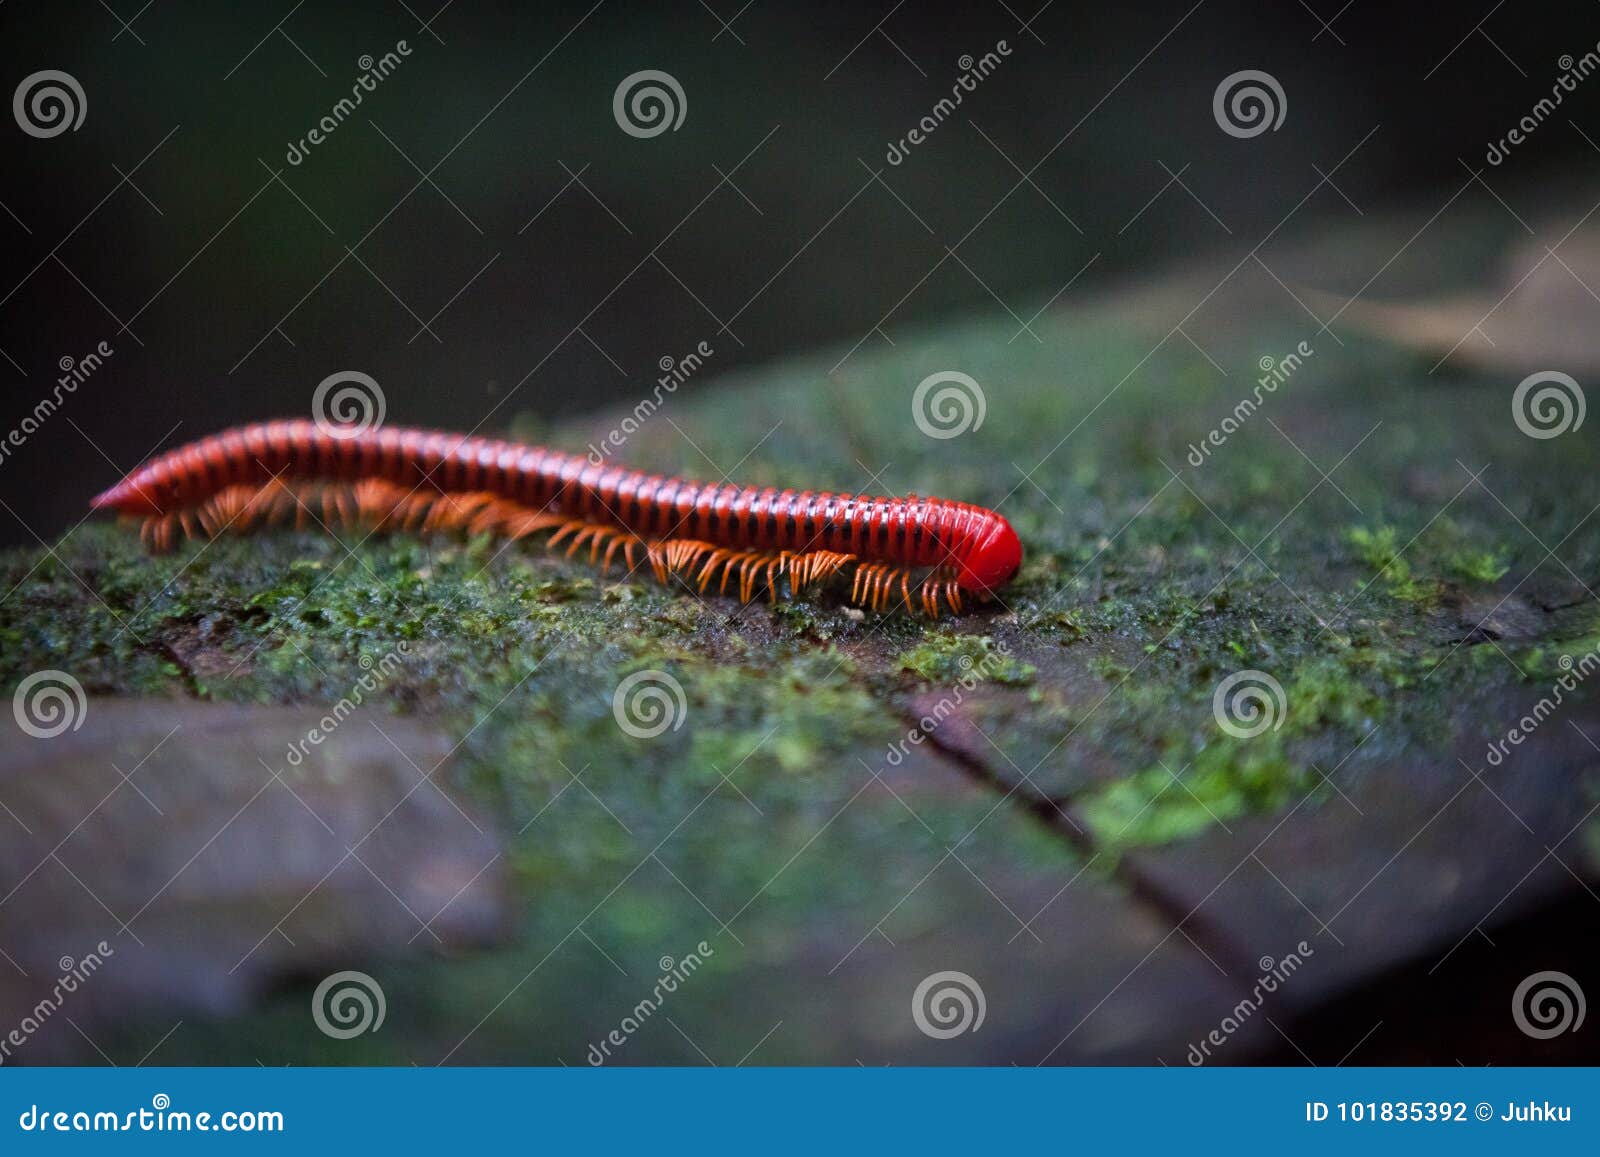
x=1407, y=596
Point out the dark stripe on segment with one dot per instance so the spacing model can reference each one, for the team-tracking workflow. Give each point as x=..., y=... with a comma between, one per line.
x=683, y=510
x=188, y=471
x=789, y=528
x=628, y=498
x=571, y=489
x=488, y=457
x=830, y=521
x=611, y=492
x=750, y=520
x=816, y=522
x=543, y=467
x=700, y=516
x=360, y=458
x=650, y=486
x=714, y=517
x=327, y=456
x=769, y=517
x=225, y=464
x=525, y=478
x=278, y=440
x=586, y=500
x=465, y=474
x=855, y=525
x=661, y=506
x=255, y=446
x=604, y=494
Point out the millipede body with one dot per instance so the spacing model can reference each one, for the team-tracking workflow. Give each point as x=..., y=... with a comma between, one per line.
x=413, y=479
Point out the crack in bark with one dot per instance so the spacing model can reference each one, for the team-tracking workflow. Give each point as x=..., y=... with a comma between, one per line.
x=1056, y=813
x=186, y=675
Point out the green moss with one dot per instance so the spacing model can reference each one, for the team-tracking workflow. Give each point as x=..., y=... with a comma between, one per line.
x=1220, y=782
x=1477, y=566
x=1379, y=548
x=1326, y=692
x=947, y=657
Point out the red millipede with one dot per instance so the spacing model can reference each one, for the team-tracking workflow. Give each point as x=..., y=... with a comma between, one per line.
x=425, y=480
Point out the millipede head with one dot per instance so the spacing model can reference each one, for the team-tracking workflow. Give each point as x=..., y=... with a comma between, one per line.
x=992, y=562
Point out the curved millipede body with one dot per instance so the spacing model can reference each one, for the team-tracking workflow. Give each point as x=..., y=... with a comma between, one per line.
x=423, y=479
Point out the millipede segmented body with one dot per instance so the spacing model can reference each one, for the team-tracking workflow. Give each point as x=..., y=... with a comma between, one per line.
x=427, y=480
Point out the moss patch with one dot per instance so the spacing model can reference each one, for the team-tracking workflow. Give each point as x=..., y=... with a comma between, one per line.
x=948, y=658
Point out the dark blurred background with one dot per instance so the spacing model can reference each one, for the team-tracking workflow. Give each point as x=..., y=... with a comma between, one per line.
x=483, y=238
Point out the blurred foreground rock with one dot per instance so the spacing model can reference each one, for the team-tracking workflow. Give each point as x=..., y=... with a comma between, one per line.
x=177, y=847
